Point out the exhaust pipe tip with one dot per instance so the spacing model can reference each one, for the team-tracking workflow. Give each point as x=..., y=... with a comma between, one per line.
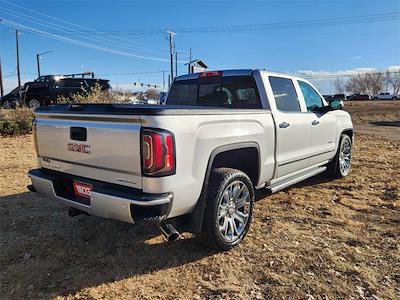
x=169, y=232
x=31, y=188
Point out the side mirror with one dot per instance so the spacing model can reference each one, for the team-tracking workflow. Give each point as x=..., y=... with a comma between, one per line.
x=335, y=104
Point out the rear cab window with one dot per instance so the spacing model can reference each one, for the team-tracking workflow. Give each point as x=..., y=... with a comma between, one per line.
x=216, y=91
x=285, y=94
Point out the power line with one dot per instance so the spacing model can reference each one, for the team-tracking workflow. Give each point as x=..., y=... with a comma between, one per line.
x=334, y=21
x=77, y=42
x=64, y=29
x=79, y=26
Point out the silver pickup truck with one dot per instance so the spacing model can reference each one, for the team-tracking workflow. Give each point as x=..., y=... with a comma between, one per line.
x=194, y=164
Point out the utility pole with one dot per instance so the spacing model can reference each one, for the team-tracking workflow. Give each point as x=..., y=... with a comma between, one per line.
x=190, y=59
x=38, y=64
x=18, y=70
x=171, y=53
x=176, y=63
x=1, y=82
x=163, y=80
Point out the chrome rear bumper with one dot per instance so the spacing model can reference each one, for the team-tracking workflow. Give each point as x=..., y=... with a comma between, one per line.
x=106, y=205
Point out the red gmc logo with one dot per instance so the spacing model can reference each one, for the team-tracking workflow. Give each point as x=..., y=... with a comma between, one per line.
x=75, y=147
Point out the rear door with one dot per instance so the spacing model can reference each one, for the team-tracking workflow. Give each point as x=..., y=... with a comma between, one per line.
x=323, y=125
x=293, y=130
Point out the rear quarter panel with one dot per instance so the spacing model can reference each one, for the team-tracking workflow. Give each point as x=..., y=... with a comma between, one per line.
x=196, y=136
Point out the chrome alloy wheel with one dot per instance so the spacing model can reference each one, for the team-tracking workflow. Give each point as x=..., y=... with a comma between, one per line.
x=345, y=156
x=33, y=103
x=233, y=211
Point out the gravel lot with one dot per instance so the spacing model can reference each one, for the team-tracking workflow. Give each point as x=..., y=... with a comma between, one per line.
x=320, y=239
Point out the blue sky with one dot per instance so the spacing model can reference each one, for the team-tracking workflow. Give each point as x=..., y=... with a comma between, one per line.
x=123, y=26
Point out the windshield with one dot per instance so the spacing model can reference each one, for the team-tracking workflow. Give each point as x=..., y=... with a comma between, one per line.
x=229, y=91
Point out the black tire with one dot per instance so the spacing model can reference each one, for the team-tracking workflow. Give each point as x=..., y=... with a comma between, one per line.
x=375, y=98
x=220, y=180
x=394, y=98
x=334, y=168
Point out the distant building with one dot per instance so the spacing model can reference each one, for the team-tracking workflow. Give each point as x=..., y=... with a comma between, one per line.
x=196, y=66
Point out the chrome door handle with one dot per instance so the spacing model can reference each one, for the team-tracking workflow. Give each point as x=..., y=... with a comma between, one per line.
x=315, y=122
x=284, y=125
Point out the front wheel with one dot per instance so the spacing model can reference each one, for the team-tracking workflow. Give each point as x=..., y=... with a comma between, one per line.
x=229, y=208
x=7, y=104
x=34, y=103
x=340, y=166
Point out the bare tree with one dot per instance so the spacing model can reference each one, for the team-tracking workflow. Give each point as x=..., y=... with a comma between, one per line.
x=392, y=81
x=152, y=94
x=366, y=83
x=339, y=86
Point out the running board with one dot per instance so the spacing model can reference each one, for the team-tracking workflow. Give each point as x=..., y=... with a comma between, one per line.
x=293, y=180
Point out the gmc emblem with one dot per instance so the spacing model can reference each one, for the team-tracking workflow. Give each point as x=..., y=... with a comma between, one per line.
x=75, y=147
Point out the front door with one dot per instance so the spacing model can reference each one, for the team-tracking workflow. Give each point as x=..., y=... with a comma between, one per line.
x=323, y=126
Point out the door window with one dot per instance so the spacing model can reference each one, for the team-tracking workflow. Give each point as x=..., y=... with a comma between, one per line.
x=285, y=94
x=311, y=97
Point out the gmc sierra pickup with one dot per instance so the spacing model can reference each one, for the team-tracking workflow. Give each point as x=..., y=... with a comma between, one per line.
x=193, y=164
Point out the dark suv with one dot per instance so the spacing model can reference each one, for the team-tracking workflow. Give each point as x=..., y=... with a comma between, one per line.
x=11, y=100
x=47, y=89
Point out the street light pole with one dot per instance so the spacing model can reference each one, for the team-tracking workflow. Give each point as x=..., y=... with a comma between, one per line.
x=17, y=50
x=38, y=56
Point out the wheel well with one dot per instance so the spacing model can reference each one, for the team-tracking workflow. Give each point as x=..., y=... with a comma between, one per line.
x=348, y=132
x=243, y=159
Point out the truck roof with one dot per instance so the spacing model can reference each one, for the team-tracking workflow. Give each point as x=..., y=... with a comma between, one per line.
x=232, y=72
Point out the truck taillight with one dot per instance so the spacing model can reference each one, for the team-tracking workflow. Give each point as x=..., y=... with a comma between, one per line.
x=158, y=152
x=210, y=74
x=35, y=144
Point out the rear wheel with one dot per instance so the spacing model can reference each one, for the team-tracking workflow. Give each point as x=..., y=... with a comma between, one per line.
x=229, y=208
x=394, y=98
x=340, y=166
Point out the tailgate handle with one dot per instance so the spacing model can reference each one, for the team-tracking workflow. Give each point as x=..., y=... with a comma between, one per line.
x=78, y=133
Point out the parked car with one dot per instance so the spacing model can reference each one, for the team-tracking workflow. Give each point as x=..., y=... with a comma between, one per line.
x=358, y=97
x=193, y=164
x=386, y=96
x=340, y=97
x=327, y=97
x=12, y=99
x=47, y=89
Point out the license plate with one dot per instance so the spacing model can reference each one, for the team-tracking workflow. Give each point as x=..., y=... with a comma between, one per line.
x=82, y=189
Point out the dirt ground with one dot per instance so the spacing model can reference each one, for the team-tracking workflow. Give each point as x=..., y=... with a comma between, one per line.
x=321, y=239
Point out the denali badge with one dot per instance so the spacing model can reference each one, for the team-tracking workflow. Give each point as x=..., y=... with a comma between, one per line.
x=78, y=147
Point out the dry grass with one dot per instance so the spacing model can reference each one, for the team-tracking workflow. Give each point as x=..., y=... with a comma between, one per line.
x=16, y=121
x=320, y=239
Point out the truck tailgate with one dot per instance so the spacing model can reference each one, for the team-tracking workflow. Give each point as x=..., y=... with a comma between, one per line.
x=102, y=148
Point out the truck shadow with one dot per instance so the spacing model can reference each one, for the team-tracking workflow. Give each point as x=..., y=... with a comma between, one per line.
x=386, y=123
x=45, y=253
